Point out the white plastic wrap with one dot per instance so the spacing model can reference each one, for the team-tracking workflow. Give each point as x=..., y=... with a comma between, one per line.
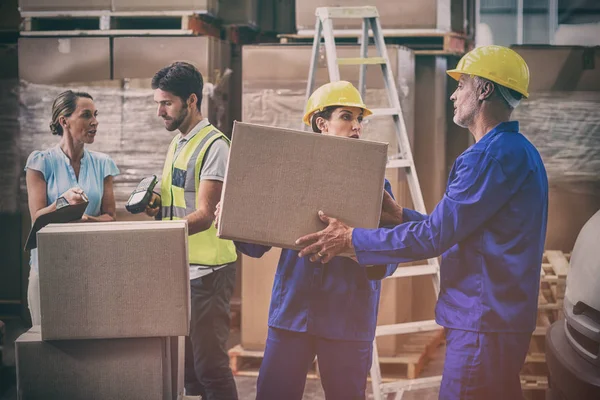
x=565, y=128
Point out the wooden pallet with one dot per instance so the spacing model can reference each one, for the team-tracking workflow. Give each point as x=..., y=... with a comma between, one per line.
x=553, y=283
x=421, y=41
x=107, y=23
x=247, y=362
x=414, y=355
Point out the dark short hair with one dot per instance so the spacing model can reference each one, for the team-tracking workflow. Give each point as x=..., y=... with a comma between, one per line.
x=181, y=79
x=64, y=105
x=326, y=114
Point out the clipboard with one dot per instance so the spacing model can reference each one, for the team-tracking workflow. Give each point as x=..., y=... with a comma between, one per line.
x=64, y=214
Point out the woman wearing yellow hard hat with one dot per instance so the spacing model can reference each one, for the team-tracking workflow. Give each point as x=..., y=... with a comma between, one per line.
x=489, y=228
x=327, y=310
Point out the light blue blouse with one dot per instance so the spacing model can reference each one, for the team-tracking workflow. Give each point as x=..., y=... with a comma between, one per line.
x=60, y=177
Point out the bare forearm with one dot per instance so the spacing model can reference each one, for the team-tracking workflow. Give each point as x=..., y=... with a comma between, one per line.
x=43, y=211
x=199, y=221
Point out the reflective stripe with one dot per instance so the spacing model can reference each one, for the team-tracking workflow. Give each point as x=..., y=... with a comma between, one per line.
x=190, y=179
x=178, y=212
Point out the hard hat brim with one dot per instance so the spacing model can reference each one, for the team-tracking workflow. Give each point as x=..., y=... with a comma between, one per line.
x=457, y=73
x=307, y=117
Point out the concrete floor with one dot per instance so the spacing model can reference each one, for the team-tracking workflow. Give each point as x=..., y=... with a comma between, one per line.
x=246, y=385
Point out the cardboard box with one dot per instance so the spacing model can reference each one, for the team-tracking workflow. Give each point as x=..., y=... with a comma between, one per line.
x=143, y=56
x=79, y=59
x=240, y=12
x=278, y=179
x=210, y=6
x=128, y=369
x=64, y=5
x=114, y=280
x=562, y=68
x=445, y=15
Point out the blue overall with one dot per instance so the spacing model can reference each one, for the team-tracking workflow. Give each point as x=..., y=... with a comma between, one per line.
x=328, y=310
x=490, y=229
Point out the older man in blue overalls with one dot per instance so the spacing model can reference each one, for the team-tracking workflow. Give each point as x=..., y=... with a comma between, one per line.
x=489, y=228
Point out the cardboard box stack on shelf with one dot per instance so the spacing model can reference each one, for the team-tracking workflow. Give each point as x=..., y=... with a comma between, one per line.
x=114, y=311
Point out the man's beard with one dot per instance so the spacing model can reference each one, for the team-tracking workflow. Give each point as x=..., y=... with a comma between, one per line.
x=176, y=122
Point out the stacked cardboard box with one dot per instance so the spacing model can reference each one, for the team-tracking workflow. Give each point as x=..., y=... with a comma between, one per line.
x=115, y=305
x=210, y=6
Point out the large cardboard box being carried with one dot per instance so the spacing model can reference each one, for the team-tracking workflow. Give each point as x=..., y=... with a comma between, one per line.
x=560, y=117
x=444, y=15
x=128, y=369
x=278, y=179
x=114, y=280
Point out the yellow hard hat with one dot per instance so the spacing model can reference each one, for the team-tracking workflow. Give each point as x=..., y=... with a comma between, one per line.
x=340, y=93
x=496, y=63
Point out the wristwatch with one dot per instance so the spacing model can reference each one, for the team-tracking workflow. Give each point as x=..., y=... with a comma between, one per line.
x=61, y=202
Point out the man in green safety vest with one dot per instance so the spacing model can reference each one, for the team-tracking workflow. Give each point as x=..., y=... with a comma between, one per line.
x=191, y=185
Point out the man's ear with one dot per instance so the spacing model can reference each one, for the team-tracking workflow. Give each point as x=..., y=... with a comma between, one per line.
x=487, y=89
x=192, y=100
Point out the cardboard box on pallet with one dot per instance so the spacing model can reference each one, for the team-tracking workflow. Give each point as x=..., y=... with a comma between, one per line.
x=444, y=15
x=143, y=56
x=64, y=5
x=278, y=179
x=273, y=93
x=209, y=6
x=64, y=60
x=140, y=368
x=241, y=12
x=114, y=280
x=560, y=118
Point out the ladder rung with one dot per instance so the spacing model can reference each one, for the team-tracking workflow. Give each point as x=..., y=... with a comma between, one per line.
x=414, y=270
x=347, y=12
x=377, y=112
x=361, y=61
x=398, y=163
x=407, y=327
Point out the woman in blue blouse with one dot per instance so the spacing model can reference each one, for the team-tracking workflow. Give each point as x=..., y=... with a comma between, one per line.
x=68, y=171
x=328, y=310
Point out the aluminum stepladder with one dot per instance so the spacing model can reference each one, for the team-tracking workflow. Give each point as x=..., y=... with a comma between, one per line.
x=403, y=160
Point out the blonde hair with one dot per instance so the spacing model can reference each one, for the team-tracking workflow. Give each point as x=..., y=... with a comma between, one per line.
x=64, y=105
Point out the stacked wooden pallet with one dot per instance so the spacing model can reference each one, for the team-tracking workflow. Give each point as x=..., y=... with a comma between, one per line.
x=553, y=283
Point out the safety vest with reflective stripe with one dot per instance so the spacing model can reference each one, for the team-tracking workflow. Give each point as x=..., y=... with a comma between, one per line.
x=179, y=188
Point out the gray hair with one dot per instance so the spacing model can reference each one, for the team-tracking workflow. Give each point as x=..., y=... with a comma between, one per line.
x=511, y=97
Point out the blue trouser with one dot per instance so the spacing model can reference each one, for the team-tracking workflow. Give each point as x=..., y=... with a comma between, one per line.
x=343, y=365
x=483, y=365
x=207, y=371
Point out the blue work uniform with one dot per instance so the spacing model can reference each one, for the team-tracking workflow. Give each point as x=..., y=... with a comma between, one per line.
x=328, y=310
x=490, y=229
